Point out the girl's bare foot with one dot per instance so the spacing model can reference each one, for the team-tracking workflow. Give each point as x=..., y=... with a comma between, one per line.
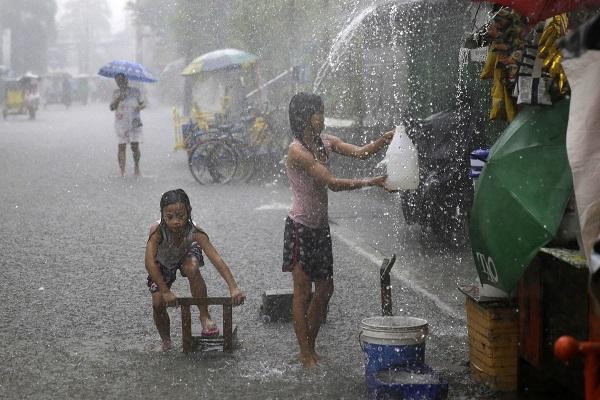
x=166, y=345
x=316, y=356
x=137, y=172
x=308, y=360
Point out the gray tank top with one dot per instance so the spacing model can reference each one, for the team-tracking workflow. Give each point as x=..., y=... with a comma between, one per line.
x=168, y=253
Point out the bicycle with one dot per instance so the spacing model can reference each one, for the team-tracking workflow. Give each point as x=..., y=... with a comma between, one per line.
x=219, y=152
x=212, y=161
x=235, y=137
x=255, y=141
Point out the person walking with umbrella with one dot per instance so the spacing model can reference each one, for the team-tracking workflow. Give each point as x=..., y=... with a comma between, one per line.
x=127, y=103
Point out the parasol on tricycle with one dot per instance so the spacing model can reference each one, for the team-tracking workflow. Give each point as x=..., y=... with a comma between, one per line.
x=219, y=81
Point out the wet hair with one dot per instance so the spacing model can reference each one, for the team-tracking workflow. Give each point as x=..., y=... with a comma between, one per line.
x=302, y=106
x=172, y=197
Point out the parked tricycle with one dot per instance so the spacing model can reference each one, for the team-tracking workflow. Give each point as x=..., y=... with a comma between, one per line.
x=21, y=96
x=57, y=88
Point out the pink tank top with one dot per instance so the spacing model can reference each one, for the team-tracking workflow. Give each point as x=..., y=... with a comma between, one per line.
x=309, y=203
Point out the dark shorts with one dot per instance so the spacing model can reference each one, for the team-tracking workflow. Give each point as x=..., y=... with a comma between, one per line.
x=310, y=247
x=170, y=274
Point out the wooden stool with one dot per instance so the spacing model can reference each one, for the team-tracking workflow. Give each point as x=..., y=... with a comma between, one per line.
x=186, y=319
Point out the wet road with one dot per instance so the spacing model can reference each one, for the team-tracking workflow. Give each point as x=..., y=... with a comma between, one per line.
x=75, y=311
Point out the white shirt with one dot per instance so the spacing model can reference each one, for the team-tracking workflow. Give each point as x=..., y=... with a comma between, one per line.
x=127, y=110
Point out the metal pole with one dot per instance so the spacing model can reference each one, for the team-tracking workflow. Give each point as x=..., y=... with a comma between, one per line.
x=386, y=287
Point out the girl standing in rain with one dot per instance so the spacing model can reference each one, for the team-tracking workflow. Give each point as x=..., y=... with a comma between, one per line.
x=127, y=103
x=176, y=243
x=307, y=249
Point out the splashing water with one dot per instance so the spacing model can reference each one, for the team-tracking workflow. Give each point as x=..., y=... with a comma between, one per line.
x=341, y=44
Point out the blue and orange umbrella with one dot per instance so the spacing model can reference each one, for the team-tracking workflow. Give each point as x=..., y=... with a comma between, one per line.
x=217, y=60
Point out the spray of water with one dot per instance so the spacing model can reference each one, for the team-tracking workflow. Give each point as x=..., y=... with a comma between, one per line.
x=340, y=44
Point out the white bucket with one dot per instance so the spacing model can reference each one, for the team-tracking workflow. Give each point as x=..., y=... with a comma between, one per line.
x=391, y=330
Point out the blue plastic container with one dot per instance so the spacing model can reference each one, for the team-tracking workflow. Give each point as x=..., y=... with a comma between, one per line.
x=395, y=367
x=379, y=357
x=415, y=383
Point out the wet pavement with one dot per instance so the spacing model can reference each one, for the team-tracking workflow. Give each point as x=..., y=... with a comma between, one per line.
x=75, y=311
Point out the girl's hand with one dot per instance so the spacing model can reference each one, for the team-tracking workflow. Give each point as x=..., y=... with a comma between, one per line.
x=237, y=296
x=390, y=189
x=381, y=181
x=169, y=299
x=387, y=137
x=378, y=181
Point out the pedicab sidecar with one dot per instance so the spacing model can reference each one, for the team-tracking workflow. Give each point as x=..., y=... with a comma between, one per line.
x=21, y=97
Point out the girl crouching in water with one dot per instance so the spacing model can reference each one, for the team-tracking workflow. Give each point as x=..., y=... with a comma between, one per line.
x=307, y=249
x=176, y=243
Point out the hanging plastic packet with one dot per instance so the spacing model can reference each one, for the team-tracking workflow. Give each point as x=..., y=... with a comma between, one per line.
x=402, y=163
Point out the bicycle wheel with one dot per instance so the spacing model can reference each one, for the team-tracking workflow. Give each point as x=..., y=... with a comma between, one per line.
x=212, y=161
x=246, y=160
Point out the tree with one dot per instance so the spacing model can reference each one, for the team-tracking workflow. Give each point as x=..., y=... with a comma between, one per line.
x=282, y=33
x=155, y=15
x=32, y=27
x=86, y=23
x=193, y=27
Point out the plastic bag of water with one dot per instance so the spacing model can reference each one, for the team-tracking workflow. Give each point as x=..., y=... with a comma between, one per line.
x=401, y=160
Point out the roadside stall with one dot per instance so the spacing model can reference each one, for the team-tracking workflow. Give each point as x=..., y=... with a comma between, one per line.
x=526, y=240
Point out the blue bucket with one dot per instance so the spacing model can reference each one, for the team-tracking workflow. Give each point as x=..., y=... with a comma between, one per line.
x=392, y=342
